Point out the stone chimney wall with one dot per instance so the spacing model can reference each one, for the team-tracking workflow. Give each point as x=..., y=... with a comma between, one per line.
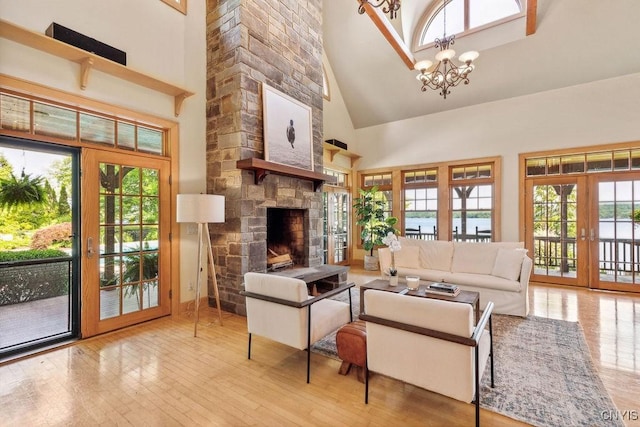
x=250, y=42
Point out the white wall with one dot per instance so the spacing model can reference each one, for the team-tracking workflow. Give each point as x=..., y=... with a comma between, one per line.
x=336, y=120
x=158, y=40
x=595, y=113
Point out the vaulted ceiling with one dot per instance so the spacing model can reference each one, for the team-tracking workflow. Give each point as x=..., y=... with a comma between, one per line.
x=576, y=42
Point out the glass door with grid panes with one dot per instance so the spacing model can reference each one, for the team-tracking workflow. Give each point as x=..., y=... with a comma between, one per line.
x=337, y=204
x=125, y=232
x=581, y=219
x=557, y=230
x=336, y=226
x=614, y=232
x=123, y=196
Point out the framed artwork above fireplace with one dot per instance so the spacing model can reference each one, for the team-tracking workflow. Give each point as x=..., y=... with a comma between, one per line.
x=288, y=138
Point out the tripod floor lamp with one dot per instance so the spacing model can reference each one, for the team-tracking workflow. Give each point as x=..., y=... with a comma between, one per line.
x=202, y=209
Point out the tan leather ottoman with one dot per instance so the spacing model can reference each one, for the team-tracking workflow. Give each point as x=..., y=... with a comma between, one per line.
x=351, y=342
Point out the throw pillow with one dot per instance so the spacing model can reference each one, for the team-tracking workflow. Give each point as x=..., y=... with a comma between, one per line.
x=508, y=263
x=408, y=257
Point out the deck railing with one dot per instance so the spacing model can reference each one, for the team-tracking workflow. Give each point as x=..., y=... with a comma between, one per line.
x=478, y=236
x=621, y=255
x=30, y=280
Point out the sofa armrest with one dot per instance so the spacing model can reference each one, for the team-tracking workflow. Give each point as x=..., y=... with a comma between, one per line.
x=525, y=272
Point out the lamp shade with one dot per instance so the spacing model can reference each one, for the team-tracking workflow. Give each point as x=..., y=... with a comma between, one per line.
x=199, y=208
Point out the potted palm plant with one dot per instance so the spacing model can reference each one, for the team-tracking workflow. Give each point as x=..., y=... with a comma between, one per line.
x=369, y=211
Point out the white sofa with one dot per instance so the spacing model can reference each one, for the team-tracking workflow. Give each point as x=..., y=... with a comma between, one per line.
x=499, y=271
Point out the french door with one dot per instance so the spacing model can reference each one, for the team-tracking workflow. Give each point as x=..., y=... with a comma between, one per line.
x=614, y=233
x=336, y=225
x=556, y=216
x=581, y=230
x=125, y=232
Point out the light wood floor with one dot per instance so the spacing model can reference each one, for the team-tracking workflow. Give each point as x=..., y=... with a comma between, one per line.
x=158, y=374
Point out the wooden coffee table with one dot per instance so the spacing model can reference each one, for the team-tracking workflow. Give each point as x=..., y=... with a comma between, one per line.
x=466, y=297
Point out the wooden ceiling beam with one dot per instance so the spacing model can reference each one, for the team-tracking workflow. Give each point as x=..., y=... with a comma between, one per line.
x=532, y=13
x=390, y=33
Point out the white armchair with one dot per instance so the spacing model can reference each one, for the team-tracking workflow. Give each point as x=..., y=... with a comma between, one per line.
x=279, y=308
x=430, y=343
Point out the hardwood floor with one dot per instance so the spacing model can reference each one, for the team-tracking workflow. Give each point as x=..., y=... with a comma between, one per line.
x=158, y=374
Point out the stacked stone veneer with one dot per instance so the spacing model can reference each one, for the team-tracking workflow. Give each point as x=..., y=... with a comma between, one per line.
x=250, y=42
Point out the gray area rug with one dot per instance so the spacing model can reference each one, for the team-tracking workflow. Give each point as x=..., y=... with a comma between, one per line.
x=543, y=370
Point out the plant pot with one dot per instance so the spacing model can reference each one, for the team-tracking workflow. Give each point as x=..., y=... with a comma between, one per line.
x=370, y=263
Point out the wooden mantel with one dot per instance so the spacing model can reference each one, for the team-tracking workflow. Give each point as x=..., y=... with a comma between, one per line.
x=262, y=168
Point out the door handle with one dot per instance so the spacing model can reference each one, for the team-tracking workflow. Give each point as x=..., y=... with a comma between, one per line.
x=583, y=234
x=90, y=250
x=592, y=235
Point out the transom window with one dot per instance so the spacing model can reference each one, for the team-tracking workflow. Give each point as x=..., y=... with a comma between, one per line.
x=67, y=123
x=341, y=177
x=465, y=15
x=600, y=161
x=379, y=180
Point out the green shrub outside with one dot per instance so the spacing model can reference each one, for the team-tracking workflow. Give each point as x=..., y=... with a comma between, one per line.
x=9, y=256
x=32, y=282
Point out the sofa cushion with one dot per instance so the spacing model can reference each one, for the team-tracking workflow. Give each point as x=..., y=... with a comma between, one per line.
x=484, y=281
x=508, y=263
x=473, y=258
x=477, y=257
x=408, y=256
x=434, y=254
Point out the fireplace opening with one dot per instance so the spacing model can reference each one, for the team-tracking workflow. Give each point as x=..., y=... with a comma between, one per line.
x=285, y=238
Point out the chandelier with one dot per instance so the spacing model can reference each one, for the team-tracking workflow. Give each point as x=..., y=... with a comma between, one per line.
x=392, y=9
x=446, y=74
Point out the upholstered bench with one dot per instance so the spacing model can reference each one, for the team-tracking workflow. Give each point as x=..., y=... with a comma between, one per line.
x=351, y=342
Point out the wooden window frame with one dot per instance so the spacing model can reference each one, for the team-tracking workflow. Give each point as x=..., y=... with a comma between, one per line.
x=179, y=5
x=491, y=180
x=444, y=197
x=36, y=91
x=528, y=8
x=417, y=186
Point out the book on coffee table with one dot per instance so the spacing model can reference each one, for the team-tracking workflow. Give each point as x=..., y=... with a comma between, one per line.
x=443, y=289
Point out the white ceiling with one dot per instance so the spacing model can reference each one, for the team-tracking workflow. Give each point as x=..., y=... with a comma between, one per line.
x=576, y=42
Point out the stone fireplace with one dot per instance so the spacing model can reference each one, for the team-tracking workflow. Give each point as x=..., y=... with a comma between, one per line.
x=250, y=42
